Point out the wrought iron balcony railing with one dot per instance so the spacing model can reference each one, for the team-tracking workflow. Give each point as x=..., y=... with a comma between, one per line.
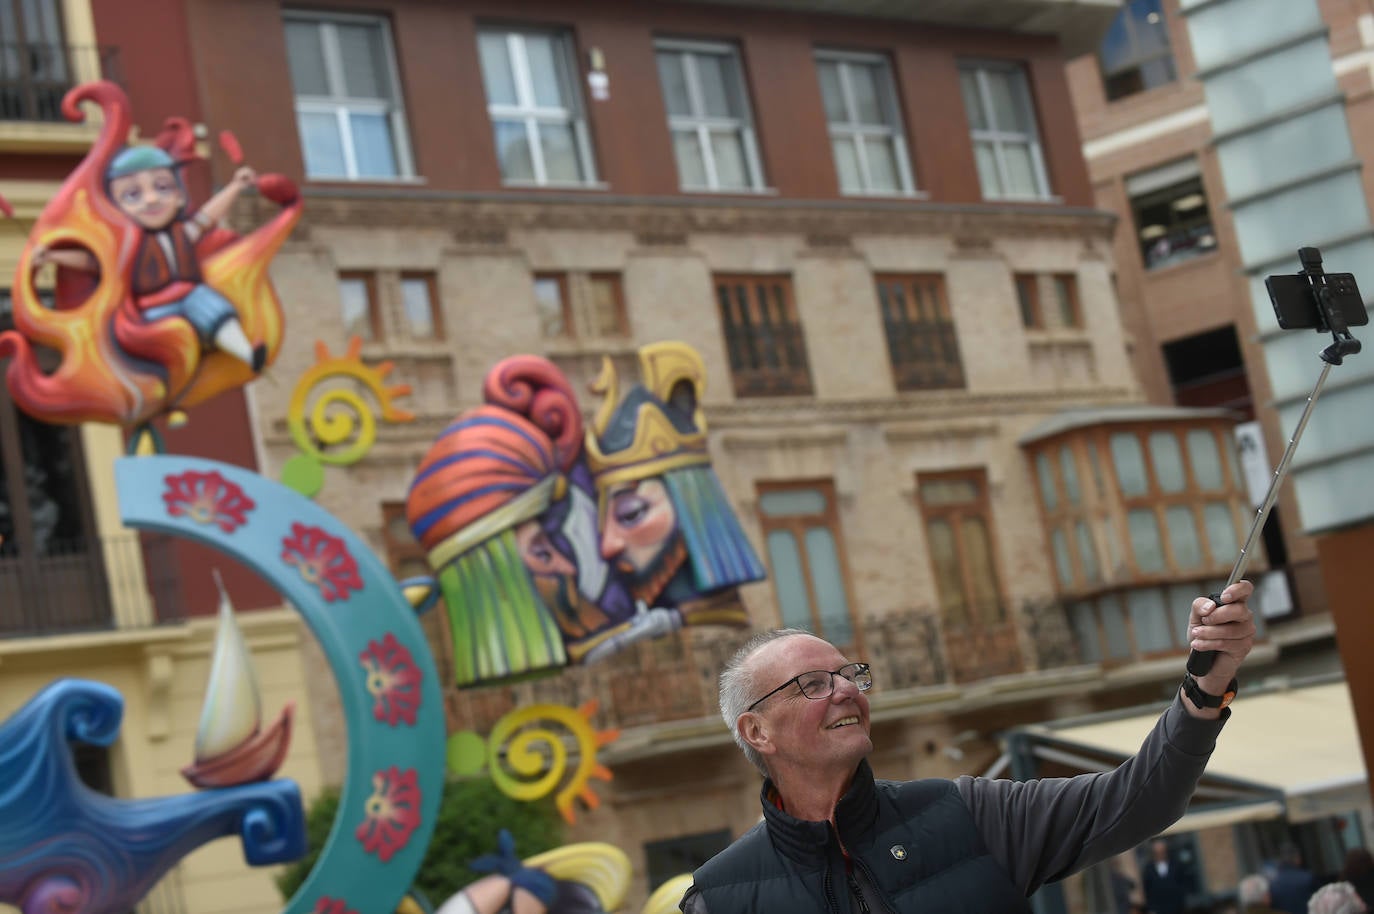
x=35, y=76
x=675, y=678
x=89, y=584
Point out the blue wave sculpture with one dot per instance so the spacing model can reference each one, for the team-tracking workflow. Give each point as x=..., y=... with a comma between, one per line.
x=65, y=848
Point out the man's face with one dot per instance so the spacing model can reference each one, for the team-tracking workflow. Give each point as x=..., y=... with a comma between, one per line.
x=151, y=198
x=827, y=733
x=640, y=520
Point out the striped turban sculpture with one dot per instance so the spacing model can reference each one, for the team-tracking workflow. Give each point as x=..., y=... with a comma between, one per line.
x=477, y=497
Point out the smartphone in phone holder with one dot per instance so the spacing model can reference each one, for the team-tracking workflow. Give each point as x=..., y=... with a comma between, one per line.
x=1315, y=299
x=1309, y=299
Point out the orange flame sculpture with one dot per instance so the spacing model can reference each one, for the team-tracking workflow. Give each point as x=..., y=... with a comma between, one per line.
x=116, y=365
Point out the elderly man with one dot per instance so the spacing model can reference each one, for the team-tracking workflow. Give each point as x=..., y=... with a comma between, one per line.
x=833, y=839
x=1336, y=898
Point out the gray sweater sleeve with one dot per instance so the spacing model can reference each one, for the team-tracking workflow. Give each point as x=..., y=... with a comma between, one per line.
x=1044, y=830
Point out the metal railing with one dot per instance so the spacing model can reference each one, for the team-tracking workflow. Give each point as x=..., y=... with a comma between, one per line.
x=34, y=76
x=670, y=679
x=87, y=584
x=675, y=678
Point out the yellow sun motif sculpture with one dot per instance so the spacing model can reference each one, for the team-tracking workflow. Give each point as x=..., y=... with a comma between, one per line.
x=536, y=760
x=341, y=425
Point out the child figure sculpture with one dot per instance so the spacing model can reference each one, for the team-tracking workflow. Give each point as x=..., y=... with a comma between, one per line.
x=166, y=281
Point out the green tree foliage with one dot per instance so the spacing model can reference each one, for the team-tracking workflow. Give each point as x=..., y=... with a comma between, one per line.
x=470, y=814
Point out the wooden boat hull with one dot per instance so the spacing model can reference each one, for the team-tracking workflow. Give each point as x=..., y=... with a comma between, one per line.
x=255, y=759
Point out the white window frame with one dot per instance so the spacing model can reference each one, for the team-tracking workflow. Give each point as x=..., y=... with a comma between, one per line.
x=531, y=114
x=341, y=105
x=856, y=132
x=998, y=137
x=703, y=125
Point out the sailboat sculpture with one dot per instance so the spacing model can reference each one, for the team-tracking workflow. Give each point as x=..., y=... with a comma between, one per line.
x=231, y=746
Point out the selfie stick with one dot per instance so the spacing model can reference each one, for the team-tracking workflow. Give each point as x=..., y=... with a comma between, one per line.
x=1343, y=344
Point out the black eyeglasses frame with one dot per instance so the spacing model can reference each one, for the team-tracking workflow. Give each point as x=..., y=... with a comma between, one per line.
x=860, y=669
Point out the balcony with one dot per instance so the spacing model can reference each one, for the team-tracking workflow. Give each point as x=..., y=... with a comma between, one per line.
x=675, y=679
x=83, y=585
x=35, y=77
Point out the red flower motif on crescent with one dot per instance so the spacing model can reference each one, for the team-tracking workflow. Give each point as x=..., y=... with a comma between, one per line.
x=393, y=680
x=393, y=813
x=323, y=560
x=207, y=498
x=328, y=905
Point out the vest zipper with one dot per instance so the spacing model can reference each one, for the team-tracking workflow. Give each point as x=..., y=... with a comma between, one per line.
x=878, y=898
x=830, y=893
x=859, y=896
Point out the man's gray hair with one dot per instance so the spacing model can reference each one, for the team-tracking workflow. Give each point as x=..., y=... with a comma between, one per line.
x=1254, y=890
x=1336, y=898
x=738, y=689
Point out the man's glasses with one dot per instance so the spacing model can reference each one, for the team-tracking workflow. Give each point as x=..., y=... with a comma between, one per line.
x=818, y=684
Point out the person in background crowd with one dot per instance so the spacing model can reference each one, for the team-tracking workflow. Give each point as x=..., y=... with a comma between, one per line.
x=1254, y=895
x=1166, y=885
x=1291, y=883
x=1359, y=872
x=1336, y=898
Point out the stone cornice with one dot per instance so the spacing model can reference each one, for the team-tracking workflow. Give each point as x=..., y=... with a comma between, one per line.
x=808, y=421
x=744, y=440
x=801, y=412
x=488, y=219
x=942, y=430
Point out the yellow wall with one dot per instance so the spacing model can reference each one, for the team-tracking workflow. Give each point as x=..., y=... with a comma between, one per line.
x=162, y=673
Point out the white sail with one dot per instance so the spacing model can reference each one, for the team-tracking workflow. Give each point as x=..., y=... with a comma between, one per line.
x=233, y=708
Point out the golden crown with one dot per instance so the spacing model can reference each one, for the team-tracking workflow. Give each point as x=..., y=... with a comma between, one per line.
x=658, y=445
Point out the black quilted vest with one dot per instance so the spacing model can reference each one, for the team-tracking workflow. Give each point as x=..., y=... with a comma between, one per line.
x=915, y=840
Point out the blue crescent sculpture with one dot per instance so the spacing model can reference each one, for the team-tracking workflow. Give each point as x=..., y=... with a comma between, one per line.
x=381, y=663
x=65, y=848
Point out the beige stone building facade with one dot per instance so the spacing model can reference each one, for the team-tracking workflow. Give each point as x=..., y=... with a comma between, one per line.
x=931, y=350
x=880, y=236
x=861, y=445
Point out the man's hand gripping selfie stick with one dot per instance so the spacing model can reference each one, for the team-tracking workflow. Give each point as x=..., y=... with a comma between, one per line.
x=1326, y=302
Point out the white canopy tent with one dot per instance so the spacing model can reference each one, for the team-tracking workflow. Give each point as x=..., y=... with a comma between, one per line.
x=1285, y=751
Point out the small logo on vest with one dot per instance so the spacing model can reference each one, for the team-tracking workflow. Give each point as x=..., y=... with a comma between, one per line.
x=897, y=851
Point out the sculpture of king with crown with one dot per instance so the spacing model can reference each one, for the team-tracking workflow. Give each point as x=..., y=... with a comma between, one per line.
x=664, y=520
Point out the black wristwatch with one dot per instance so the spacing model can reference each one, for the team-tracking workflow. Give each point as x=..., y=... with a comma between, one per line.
x=1201, y=699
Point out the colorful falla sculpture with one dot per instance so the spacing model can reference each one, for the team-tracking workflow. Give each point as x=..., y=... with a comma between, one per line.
x=158, y=307
x=330, y=420
x=665, y=522
x=64, y=847
x=231, y=745
x=554, y=544
x=589, y=877
x=551, y=543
